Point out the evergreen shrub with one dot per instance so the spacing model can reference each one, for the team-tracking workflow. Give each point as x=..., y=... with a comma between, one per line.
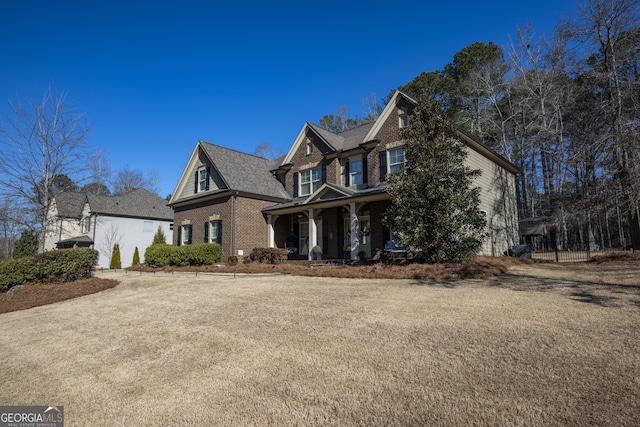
x=58, y=266
x=201, y=254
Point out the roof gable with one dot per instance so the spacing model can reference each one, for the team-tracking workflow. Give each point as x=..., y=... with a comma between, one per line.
x=70, y=204
x=391, y=105
x=328, y=191
x=236, y=170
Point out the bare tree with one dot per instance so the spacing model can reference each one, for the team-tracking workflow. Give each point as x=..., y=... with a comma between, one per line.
x=112, y=237
x=609, y=29
x=41, y=140
x=266, y=150
x=127, y=180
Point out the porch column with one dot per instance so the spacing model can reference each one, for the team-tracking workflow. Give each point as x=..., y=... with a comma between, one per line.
x=271, y=235
x=313, y=233
x=353, y=228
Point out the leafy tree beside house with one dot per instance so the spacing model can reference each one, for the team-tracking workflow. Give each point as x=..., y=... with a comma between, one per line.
x=433, y=204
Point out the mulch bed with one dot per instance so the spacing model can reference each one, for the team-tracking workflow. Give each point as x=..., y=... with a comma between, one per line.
x=23, y=297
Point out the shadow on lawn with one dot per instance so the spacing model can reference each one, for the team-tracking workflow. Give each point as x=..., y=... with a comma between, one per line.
x=586, y=291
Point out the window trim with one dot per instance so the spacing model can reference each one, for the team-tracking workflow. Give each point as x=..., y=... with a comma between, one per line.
x=352, y=174
x=390, y=165
x=213, y=237
x=202, y=179
x=313, y=184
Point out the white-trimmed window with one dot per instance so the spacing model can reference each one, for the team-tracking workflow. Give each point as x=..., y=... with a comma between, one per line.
x=215, y=232
x=202, y=179
x=186, y=234
x=396, y=160
x=355, y=171
x=86, y=224
x=403, y=120
x=309, y=181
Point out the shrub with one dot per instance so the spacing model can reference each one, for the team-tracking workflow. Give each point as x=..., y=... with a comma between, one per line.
x=16, y=272
x=180, y=256
x=58, y=266
x=136, y=257
x=115, y=257
x=158, y=255
x=269, y=255
x=66, y=265
x=232, y=260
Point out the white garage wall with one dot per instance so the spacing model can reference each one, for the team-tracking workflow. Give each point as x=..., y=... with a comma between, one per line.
x=129, y=233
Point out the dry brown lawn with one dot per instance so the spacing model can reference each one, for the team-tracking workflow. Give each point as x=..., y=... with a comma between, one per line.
x=542, y=344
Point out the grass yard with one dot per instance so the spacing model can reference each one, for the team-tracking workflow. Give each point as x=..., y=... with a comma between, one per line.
x=543, y=344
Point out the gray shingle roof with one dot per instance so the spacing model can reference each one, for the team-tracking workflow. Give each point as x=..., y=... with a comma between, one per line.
x=70, y=204
x=344, y=140
x=139, y=203
x=245, y=172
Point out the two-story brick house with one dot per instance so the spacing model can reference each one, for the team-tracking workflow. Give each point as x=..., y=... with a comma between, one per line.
x=328, y=192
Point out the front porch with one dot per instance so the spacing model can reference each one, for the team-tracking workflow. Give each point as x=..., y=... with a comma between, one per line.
x=344, y=232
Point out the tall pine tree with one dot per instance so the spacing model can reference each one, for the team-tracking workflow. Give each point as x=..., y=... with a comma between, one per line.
x=434, y=206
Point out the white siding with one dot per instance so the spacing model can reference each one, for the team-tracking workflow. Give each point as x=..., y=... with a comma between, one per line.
x=498, y=199
x=63, y=228
x=128, y=233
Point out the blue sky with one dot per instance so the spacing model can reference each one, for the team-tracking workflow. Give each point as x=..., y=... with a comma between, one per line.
x=152, y=78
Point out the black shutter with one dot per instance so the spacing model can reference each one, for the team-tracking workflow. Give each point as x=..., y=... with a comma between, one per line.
x=195, y=184
x=179, y=235
x=206, y=232
x=365, y=170
x=219, y=236
x=347, y=173
x=295, y=184
x=323, y=172
x=208, y=176
x=383, y=165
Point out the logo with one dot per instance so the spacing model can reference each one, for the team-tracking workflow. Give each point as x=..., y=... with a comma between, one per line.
x=31, y=416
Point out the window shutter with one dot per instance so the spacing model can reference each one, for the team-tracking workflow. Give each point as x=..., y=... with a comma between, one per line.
x=383, y=165
x=295, y=184
x=219, y=236
x=195, y=184
x=347, y=174
x=323, y=172
x=179, y=235
x=208, y=176
x=365, y=170
x=206, y=232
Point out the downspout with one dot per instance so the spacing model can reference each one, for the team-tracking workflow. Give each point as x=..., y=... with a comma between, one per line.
x=233, y=224
x=95, y=223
